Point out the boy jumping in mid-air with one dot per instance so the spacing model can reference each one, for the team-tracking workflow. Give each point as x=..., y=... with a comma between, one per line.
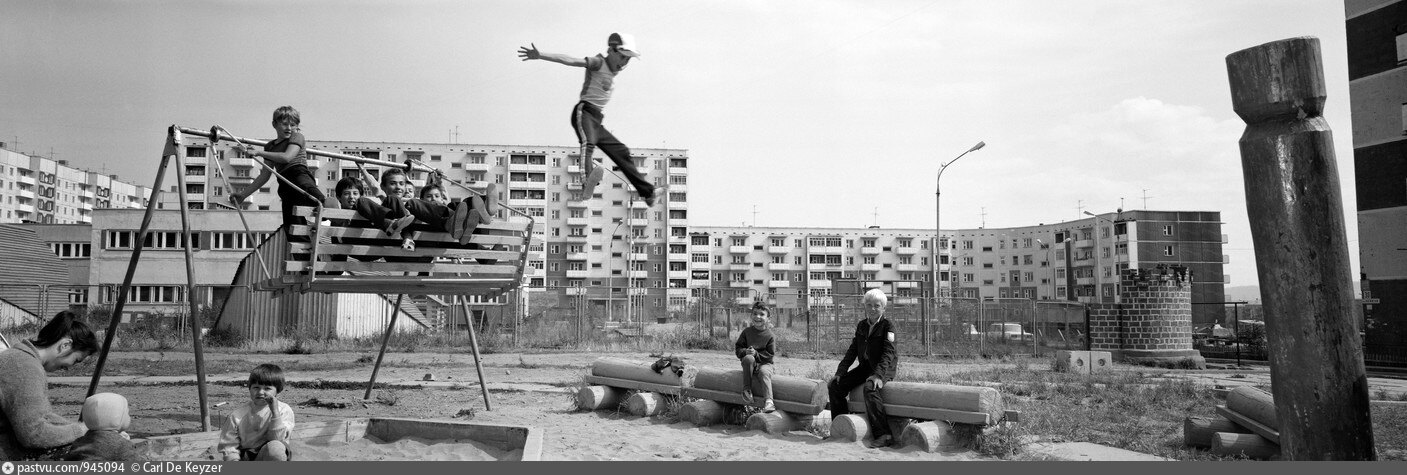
x=259, y=430
x=587, y=115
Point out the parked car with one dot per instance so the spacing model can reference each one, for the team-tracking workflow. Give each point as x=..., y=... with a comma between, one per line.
x=1008, y=332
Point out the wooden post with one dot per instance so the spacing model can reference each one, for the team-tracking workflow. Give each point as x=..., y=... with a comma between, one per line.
x=197, y=347
x=703, y=412
x=1297, y=227
x=591, y=398
x=850, y=427
x=386, y=338
x=645, y=403
x=1199, y=431
x=1250, y=445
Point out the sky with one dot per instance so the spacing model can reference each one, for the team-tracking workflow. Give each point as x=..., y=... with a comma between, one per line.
x=815, y=113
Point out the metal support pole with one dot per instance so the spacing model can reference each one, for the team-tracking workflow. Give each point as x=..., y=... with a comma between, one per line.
x=1318, y=379
x=194, y=318
x=478, y=365
x=167, y=153
x=386, y=338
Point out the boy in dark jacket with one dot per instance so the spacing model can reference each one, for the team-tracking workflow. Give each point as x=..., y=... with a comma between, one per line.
x=755, y=348
x=873, y=346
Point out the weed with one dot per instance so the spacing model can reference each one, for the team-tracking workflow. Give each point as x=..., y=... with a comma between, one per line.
x=526, y=365
x=364, y=359
x=389, y=398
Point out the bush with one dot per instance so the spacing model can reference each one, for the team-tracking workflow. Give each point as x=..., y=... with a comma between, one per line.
x=224, y=337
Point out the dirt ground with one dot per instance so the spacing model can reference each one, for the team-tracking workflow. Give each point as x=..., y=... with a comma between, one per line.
x=532, y=389
x=525, y=389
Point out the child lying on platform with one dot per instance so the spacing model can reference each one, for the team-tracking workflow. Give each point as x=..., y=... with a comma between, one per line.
x=397, y=210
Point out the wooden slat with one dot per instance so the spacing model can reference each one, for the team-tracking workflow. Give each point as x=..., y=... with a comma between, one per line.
x=372, y=286
x=735, y=398
x=479, y=270
x=628, y=384
x=368, y=233
x=370, y=250
x=1245, y=421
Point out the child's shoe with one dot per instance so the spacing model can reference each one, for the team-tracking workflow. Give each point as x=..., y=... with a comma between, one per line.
x=408, y=244
x=397, y=225
x=769, y=406
x=456, y=221
x=593, y=178
x=489, y=205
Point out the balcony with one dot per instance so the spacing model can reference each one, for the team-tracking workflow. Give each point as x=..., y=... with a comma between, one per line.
x=27, y=179
x=575, y=238
x=775, y=284
x=871, y=267
x=673, y=292
x=637, y=291
x=577, y=204
x=906, y=300
x=314, y=164
x=573, y=168
x=638, y=222
x=699, y=266
x=22, y=193
x=869, y=251
x=578, y=274
x=821, y=266
x=578, y=221
x=679, y=187
x=779, y=266
x=534, y=185
x=677, y=204
x=1084, y=243
x=679, y=274
x=574, y=186
x=875, y=284
x=478, y=167
x=743, y=300
x=778, y=249
x=739, y=266
x=638, y=256
x=576, y=256
x=739, y=249
x=906, y=285
x=906, y=251
x=678, y=222
x=907, y=267
x=826, y=249
x=576, y=290
x=195, y=197
x=819, y=284
x=637, y=274
x=243, y=162
x=740, y=285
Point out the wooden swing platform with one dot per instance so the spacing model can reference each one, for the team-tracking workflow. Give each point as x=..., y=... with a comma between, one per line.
x=490, y=264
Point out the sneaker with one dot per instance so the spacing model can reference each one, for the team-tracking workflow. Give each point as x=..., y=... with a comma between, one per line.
x=885, y=440
x=491, y=207
x=650, y=202
x=471, y=219
x=456, y=220
x=397, y=225
x=769, y=406
x=408, y=244
x=593, y=178
x=747, y=395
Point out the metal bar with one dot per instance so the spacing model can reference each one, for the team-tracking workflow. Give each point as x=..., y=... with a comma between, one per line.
x=194, y=316
x=225, y=135
x=1318, y=378
x=225, y=177
x=474, y=346
x=169, y=151
x=395, y=311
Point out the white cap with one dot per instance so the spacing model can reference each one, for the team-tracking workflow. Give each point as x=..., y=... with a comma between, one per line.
x=625, y=43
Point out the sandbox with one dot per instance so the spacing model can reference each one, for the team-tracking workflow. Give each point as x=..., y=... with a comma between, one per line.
x=375, y=439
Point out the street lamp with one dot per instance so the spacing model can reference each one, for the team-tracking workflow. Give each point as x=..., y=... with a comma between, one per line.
x=1097, y=262
x=938, y=227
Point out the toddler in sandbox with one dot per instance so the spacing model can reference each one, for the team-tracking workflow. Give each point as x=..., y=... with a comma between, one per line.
x=107, y=419
x=259, y=430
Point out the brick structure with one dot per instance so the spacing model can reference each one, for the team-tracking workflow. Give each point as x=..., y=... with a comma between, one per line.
x=1152, y=323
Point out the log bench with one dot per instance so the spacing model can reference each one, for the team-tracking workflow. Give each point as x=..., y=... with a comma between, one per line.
x=611, y=378
x=937, y=406
x=347, y=255
x=800, y=402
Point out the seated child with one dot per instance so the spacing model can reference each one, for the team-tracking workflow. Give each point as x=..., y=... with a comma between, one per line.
x=106, y=416
x=259, y=430
x=397, y=210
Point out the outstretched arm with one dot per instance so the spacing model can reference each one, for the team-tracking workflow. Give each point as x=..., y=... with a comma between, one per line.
x=531, y=52
x=373, y=187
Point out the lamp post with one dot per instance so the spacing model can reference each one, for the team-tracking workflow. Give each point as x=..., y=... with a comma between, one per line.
x=1097, y=262
x=938, y=228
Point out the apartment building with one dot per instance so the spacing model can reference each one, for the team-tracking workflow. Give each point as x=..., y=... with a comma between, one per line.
x=1377, y=56
x=610, y=242
x=793, y=268
x=40, y=190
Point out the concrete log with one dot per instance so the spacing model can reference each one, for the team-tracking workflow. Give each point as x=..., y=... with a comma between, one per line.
x=703, y=412
x=785, y=388
x=1198, y=431
x=936, y=436
x=943, y=396
x=1251, y=445
x=592, y=398
x=645, y=404
x=850, y=428
x=635, y=371
x=1297, y=228
x=1255, y=404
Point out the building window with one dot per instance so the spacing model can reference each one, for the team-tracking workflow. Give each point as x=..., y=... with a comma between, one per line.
x=1168, y=251
x=1168, y=231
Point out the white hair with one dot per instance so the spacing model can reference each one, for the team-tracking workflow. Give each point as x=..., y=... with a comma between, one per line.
x=876, y=295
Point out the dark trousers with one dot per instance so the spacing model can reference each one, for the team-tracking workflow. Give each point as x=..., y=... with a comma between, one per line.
x=378, y=212
x=586, y=121
x=874, y=405
x=289, y=197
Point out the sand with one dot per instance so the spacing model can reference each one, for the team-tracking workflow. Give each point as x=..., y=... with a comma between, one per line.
x=410, y=448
